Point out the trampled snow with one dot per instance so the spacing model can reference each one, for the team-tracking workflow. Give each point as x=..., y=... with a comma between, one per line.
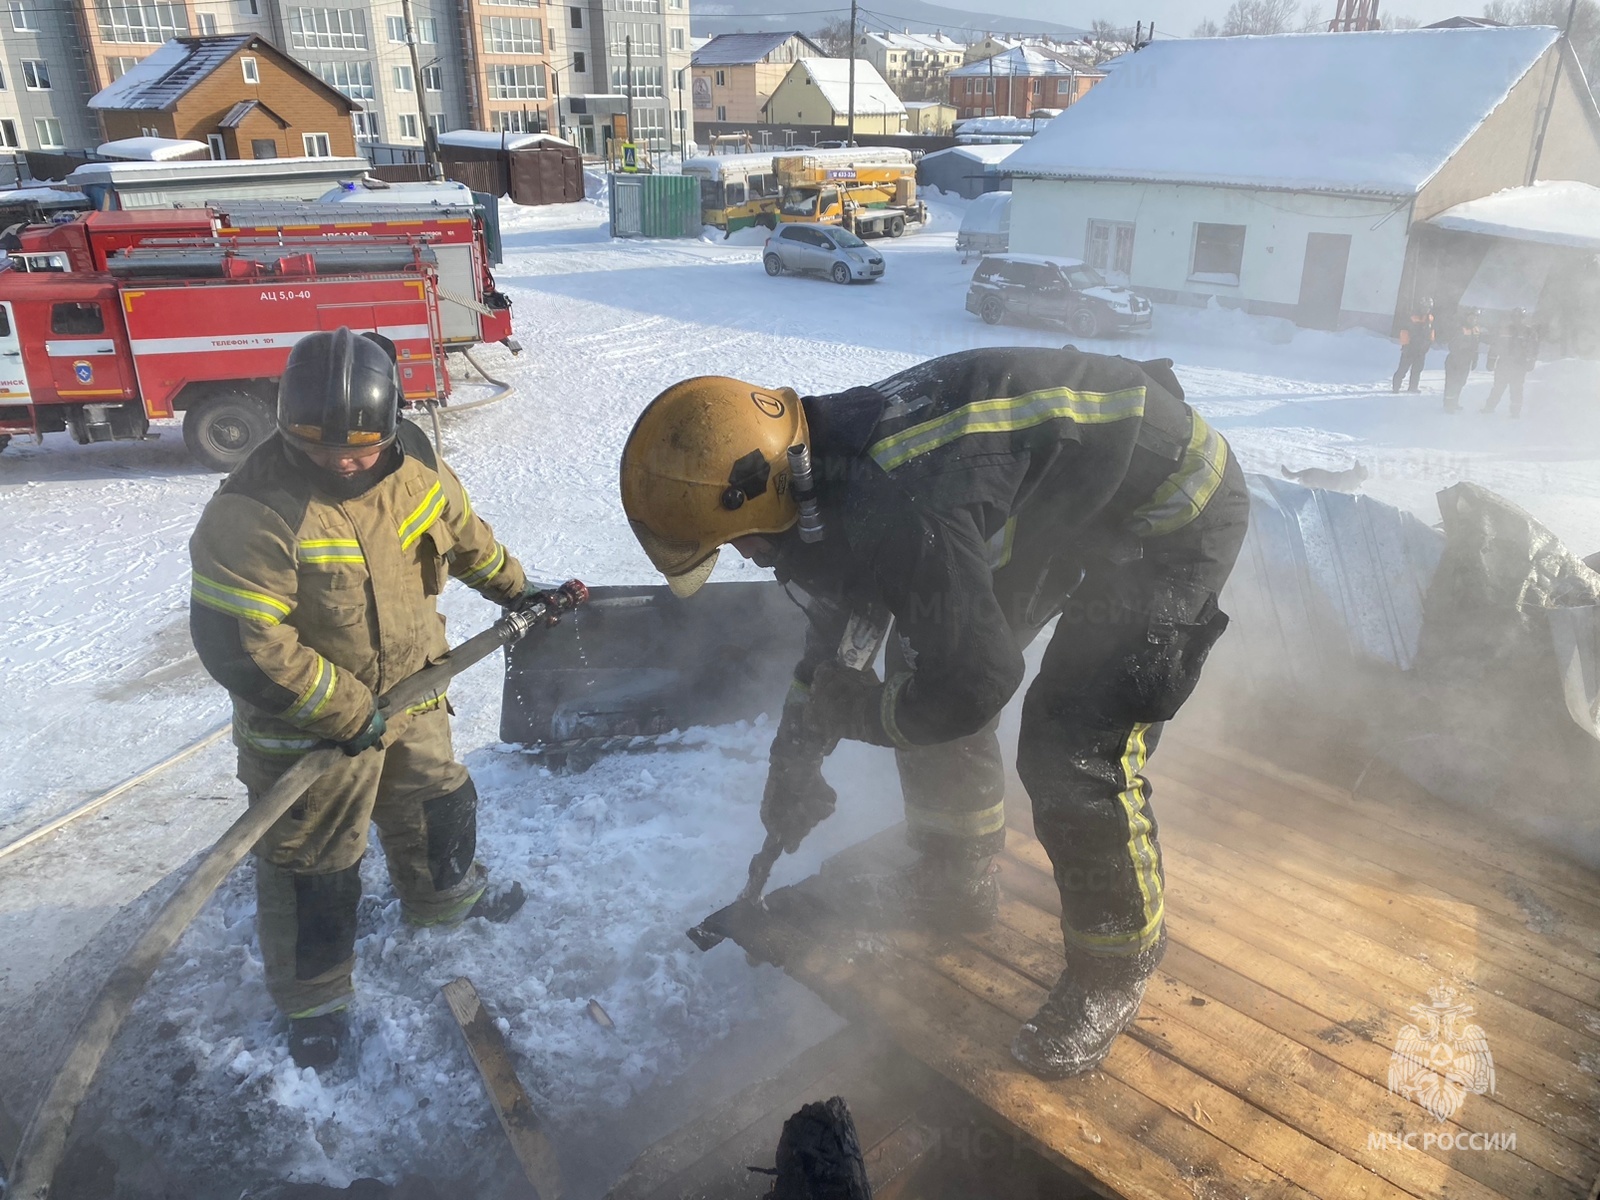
x=1376, y=113
x=618, y=861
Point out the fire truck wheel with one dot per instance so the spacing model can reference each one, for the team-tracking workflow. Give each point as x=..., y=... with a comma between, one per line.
x=221, y=430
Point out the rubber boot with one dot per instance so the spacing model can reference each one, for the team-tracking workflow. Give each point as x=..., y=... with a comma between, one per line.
x=499, y=903
x=315, y=1042
x=939, y=895
x=1096, y=998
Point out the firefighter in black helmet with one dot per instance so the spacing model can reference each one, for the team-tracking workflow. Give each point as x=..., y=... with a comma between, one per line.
x=976, y=497
x=317, y=567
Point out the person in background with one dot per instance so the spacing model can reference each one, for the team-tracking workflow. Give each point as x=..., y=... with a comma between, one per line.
x=1416, y=339
x=1516, y=351
x=1463, y=340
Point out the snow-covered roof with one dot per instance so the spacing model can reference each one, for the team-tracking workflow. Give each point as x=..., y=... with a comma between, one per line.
x=988, y=213
x=483, y=139
x=736, y=49
x=832, y=77
x=1012, y=127
x=1554, y=212
x=1019, y=60
x=174, y=67
x=44, y=197
x=910, y=104
x=231, y=168
x=989, y=154
x=1351, y=113
x=152, y=149
x=936, y=42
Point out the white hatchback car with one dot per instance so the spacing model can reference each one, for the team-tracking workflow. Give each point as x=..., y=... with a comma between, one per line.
x=824, y=249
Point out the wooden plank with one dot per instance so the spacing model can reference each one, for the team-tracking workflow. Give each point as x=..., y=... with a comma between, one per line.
x=1444, y=945
x=1093, y=1125
x=1300, y=1085
x=523, y=1126
x=1565, y=921
x=1390, y=883
x=1392, y=800
x=1362, y=888
x=1341, y=996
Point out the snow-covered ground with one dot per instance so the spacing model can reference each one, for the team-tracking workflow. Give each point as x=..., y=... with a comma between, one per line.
x=100, y=681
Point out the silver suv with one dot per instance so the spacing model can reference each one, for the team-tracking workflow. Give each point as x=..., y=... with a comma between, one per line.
x=1033, y=287
x=825, y=249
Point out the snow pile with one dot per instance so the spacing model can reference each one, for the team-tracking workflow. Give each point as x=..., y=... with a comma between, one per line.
x=1348, y=112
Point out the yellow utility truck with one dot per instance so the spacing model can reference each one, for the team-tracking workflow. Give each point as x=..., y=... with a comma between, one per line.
x=874, y=194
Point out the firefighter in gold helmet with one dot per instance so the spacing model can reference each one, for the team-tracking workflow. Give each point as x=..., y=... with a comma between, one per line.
x=976, y=497
x=316, y=571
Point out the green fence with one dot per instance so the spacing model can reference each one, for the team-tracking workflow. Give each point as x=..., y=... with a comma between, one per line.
x=655, y=206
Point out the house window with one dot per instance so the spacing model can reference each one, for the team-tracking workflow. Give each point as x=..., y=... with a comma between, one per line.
x=22, y=16
x=327, y=29
x=316, y=145
x=513, y=35
x=522, y=82
x=49, y=131
x=680, y=78
x=1218, y=254
x=433, y=78
x=641, y=6
x=579, y=65
x=428, y=31
x=403, y=80
x=366, y=125
x=2, y=80
x=397, y=29
x=149, y=23
x=969, y=86
x=440, y=123
x=409, y=129
x=576, y=17
x=8, y=135
x=649, y=123
x=1109, y=247
x=206, y=23
x=120, y=65
x=354, y=79
x=218, y=149
x=646, y=81
x=254, y=9
x=35, y=75
x=519, y=121
x=263, y=148
x=646, y=38
x=722, y=79
x=677, y=4
x=677, y=37
x=722, y=112
x=251, y=69
x=1038, y=87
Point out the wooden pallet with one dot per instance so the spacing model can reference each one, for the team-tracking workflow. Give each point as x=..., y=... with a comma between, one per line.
x=1305, y=924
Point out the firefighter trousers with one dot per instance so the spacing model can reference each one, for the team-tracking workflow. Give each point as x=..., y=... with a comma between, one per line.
x=1126, y=653
x=308, y=864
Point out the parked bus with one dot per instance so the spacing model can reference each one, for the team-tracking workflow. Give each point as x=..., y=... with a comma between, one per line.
x=740, y=190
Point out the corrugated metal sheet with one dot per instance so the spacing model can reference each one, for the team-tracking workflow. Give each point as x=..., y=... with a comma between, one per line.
x=655, y=206
x=1330, y=577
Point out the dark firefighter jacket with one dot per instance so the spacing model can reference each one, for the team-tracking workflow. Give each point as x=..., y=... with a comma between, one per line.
x=1416, y=334
x=305, y=607
x=968, y=493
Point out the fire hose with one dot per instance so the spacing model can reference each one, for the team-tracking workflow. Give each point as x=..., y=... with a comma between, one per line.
x=45, y=1139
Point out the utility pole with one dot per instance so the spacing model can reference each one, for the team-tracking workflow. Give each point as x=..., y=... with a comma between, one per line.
x=430, y=139
x=628, y=48
x=1563, y=48
x=850, y=135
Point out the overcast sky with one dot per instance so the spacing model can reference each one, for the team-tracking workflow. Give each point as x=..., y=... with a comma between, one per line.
x=1181, y=16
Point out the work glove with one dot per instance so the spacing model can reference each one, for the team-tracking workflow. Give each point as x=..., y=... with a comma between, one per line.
x=797, y=798
x=371, y=734
x=845, y=705
x=556, y=600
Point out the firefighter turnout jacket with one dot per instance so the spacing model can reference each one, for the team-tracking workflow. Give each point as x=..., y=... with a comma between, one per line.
x=968, y=495
x=306, y=607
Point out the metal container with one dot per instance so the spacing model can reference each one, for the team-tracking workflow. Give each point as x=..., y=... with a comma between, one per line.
x=655, y=206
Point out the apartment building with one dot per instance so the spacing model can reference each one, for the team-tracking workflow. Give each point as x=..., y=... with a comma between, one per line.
x=595, y=46
x=913, y=64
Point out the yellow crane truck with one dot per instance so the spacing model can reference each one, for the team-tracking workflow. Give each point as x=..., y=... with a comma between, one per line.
x=875, y=195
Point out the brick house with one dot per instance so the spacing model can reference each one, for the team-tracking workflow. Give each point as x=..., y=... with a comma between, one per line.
x=240, y=95
x=1015, y=82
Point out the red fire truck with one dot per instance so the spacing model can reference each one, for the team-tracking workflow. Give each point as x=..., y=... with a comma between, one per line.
x=472, y=309
x=202, y=327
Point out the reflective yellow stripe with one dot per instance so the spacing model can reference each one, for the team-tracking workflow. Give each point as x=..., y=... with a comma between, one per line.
x=316, y=697
x=1006, y=416
x=424, y=515
x=451, y=915
x=1188, y=490
x=426, y=705
x=273, y=745
x=1141, y=853
x=487, y=570
x=466, y=510
x=238, y=602
x=322, y=1010
x=331, y=550
x=1001, y=544
x=957, y=824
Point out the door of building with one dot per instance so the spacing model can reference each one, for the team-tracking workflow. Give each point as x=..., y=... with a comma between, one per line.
x=1322, y=280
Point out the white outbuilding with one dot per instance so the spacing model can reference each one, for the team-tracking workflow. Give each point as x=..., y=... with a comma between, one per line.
x=1295, y=175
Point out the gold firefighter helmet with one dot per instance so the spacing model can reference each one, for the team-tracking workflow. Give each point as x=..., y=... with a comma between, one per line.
x=707, y=462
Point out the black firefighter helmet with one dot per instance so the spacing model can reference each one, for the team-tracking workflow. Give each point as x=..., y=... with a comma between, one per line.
x=340, y=389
